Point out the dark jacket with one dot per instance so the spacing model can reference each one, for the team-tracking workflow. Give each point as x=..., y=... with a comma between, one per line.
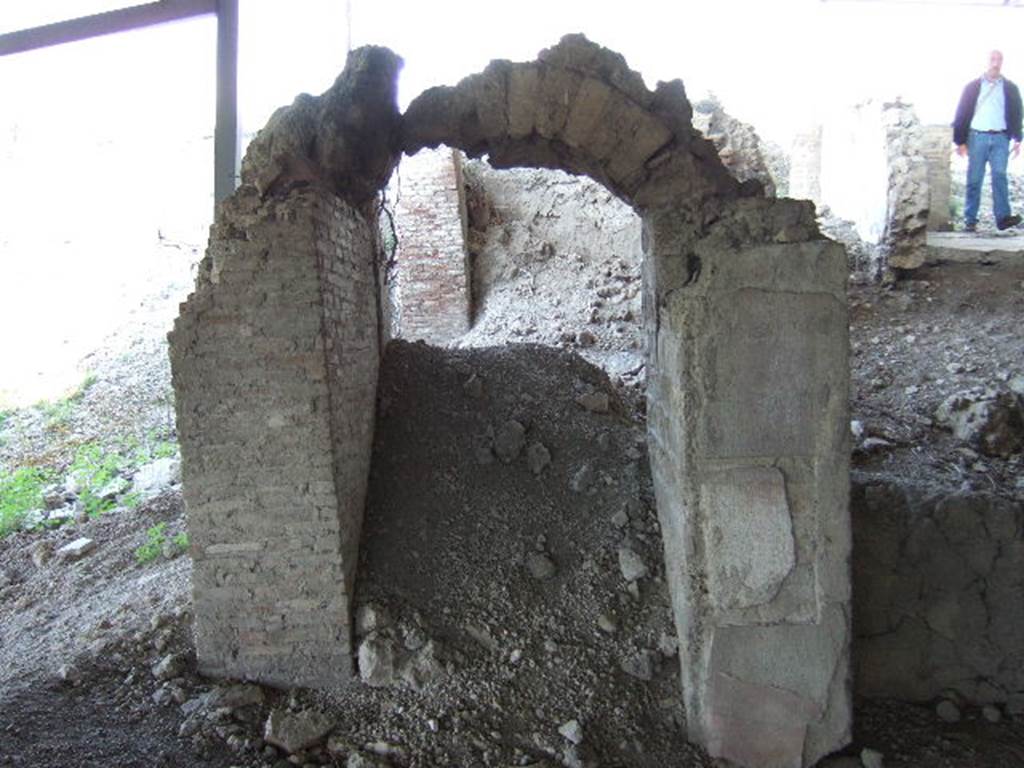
x=965, y=110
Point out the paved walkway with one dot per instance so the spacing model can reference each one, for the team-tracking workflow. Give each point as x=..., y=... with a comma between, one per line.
x=981, y=247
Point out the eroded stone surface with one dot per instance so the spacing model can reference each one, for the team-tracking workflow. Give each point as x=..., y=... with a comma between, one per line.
x=749, y=538
x=938, y=581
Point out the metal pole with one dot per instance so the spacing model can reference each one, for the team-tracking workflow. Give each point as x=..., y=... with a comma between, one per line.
x=109, y=23
x=225, y=137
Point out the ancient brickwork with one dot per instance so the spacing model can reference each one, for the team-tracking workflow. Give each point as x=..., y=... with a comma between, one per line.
x=433, y=292
x=938, y=594
x=274, y=361
x=745, y=313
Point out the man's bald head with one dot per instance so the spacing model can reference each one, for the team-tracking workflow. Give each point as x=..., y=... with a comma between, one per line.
x=995, y=65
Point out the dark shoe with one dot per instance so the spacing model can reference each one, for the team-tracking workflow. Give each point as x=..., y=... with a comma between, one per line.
x=970, y=227
x=1010, y=221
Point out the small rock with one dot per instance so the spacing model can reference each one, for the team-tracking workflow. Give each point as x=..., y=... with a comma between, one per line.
x=377, y=661
x=595, y=402
x=422, y=669
x=947, y=711
x=607, y=624
x=631, y=564
x=538, y=457
x=295, y=731
x=363, y=760
x=991, y=713
x=54, y=497
x=586, y=338
x=668, y=645
x=572, y=731
x=857, y=429
x=991, y=420
x=540, y=565
x=42, y=551
x=510, y=440
x=371, y=618
x=69, y=673
x=76, y=550
x=170, y=666
x=621, y=518
x=640, y=665
x=871, y=758
x=235, y=696
x=582, y=478
x=155, y=477
x=113, y=489
x=338, y=745
x=162, y=697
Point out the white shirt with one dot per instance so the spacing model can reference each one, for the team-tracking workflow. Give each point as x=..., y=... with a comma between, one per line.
x=990, y=109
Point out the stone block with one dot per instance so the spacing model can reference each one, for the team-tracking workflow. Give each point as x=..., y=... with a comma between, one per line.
x=749, y=536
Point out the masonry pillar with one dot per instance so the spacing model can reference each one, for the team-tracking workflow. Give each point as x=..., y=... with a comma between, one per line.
x=748, y=428
x=274, y=361
x=937, y=148
x=433, y=297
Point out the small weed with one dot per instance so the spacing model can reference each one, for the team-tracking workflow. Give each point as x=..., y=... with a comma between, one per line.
x=20, y=492
x=94, y=468
x=156, y=540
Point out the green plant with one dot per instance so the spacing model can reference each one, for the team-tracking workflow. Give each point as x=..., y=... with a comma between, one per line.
x=156, y=541
x=93, y=469
x=20, y=492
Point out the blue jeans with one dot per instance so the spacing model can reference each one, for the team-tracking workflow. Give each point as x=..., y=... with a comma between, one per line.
x=992, y=149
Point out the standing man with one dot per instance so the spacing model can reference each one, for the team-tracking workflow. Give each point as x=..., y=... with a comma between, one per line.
x=988, y=116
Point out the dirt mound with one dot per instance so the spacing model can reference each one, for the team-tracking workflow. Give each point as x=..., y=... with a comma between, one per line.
x=503, y=519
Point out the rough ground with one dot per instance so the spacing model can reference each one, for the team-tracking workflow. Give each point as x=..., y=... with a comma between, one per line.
x=950, y=329
x=517, y=657
x=128, y=395
x=502, y=659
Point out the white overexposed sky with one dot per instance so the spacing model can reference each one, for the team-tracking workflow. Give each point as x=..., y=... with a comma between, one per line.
x=105, y=144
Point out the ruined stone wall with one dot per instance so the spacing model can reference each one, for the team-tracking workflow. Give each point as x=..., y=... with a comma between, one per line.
x=737, y=143
x=745, y=315
x=747, y=413
x=866, y=165
x=937, y=148
x=433, y=289
x=907, y=210
x=274, y=362
x=938, y=593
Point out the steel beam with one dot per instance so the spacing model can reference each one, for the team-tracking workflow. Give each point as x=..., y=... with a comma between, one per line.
x=108, y=23
x=225, y=136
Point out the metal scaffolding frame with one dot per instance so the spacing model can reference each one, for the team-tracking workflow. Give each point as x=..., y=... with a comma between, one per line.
x=225, y=142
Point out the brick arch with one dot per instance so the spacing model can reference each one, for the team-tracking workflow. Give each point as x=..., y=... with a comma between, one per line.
x=275, y=361
x=580, y=109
